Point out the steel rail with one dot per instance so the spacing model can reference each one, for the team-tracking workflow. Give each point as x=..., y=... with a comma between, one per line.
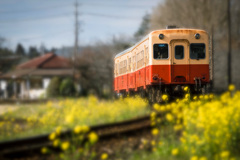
x=30, y=146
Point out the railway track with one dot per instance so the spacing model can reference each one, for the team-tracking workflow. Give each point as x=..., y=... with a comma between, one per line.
x=29, y=147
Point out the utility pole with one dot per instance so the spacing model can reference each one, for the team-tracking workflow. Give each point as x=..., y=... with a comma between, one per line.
x=76, y=38
x=229, y=43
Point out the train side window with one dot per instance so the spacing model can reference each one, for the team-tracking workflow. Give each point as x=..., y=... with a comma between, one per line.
x=160, y=51
x=129, y=64
x=147, y=56
x=179, y=52
x=197, y=51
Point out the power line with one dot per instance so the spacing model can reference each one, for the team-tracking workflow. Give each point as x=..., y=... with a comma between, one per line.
x=36, y=18
x=109, y=16
x=26, y=10
x=118, y=6
x=42, y=36
x=33, y=10
x=67, y=15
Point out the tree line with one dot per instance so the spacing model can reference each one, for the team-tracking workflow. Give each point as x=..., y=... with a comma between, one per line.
x=10, y=58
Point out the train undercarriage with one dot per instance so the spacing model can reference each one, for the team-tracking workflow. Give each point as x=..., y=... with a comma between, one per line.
x=154, y=93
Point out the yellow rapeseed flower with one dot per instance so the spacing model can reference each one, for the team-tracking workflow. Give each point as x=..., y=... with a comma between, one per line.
x=77, y=129
x=69, y=119
x=85, y=128
x=104, y=156
x=164, y=97
x=56, y=142
x=169, y=117
x=211, y=96
x=195, y=98
x=203, y=158
x=44, y=150
x=65, y=145
x=153, y=115
x=155, y=131
x=153, y=143
x=186, y=88
x=231, y=87
x=156, y=107
x=177, y=127
x=187, y=95
x=93, y=137
x=183, y=140
x=225, y=154
x=206, y=97
x=175, y=151
x=58, y=130
x=194, y=158
x=52, y=136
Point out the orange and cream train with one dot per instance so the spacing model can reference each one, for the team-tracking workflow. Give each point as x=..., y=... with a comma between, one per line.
x=164, y=61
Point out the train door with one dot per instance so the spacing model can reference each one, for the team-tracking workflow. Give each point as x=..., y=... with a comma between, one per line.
x=179, y=61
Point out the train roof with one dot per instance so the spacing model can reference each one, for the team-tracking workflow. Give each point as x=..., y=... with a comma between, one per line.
x=163, y=30
x=129, y=49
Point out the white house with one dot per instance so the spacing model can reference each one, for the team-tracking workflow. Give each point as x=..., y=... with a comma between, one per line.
x=30, y=79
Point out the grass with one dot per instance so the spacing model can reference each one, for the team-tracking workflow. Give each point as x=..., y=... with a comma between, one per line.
x=37, y=119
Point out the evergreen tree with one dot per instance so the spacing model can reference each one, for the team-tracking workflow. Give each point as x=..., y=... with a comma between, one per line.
x=20, y=50
x=33, y=52
x=144, y=27
x=7, y=58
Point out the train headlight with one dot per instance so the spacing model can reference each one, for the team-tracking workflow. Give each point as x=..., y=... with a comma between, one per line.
x=155, y=78
x=197, y=36
x=161, y=36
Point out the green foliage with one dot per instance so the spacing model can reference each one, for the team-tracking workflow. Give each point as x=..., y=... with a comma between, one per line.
x=67, y=87
x=53, y=87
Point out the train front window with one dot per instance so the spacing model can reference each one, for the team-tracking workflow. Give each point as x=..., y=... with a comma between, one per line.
x=179, y=52
x=160, y=51
x=197, y=51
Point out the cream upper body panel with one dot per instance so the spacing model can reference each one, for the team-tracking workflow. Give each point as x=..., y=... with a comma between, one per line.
x=177, y=35
x=136, y=57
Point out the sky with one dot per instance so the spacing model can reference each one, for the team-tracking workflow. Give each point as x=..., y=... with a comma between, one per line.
x=52, y=23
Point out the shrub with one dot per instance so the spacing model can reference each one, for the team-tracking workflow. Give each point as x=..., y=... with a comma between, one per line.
x=53, y=87
x=67, y=87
